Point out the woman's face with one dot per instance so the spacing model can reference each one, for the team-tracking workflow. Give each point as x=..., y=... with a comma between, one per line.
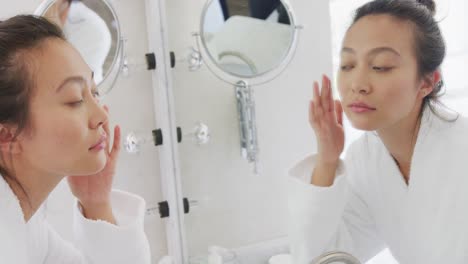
x=378, y=77
x=65, y=135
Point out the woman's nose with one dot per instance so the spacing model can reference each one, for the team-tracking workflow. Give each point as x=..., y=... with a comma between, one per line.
x=99, y=116
x=360, y=84
x=361, y=89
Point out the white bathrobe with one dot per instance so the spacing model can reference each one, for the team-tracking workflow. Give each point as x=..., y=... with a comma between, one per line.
x=97, y=242
x=370, y=207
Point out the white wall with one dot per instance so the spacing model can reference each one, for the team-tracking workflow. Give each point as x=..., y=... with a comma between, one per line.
x=131, y=106
x=236, y=207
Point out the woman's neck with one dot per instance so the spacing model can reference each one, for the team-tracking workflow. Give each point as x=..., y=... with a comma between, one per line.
x=400, y=140
x=33, y=187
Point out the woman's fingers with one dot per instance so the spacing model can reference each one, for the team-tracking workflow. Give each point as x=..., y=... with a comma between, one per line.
x=325, y=95
x=339, y=112
x=323, y=107
x=116, y=143
x=114, y=151
x=317, y=101
x=312, y=117
x=105, y=126
x=330, y=96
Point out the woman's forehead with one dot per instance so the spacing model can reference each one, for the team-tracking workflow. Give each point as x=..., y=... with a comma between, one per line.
x=374, y=31
x=57, y=61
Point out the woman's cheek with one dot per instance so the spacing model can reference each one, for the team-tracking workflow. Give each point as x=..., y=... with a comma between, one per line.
x=65, y=133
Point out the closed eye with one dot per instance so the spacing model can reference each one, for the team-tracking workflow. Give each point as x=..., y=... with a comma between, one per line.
x=76, y=103
x=346, y=67
x=381, y=69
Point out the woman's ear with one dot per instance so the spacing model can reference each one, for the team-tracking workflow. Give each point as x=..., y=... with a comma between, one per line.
x=8, y=144
x=430, y=82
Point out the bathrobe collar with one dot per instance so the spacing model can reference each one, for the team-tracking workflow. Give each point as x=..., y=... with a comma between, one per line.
x=13, y=229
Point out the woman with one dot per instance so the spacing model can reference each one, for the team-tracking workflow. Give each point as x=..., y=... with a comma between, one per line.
x=52, y=126
x=402, y=185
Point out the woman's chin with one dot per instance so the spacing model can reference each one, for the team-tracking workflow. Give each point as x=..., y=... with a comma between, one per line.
x=97, y=168
x=363, y=125
x=91, y=167
x=98, y=164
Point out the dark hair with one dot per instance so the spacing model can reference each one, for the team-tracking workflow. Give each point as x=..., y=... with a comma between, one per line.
x=429, y=42
x=18, y=36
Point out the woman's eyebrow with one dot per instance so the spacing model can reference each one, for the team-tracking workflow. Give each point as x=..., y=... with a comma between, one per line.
x=373, y=51
x=347, y=50
x=74, y=79
x=384, y=49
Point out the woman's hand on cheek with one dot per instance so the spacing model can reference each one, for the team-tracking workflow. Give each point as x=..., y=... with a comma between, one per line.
x=93, y=191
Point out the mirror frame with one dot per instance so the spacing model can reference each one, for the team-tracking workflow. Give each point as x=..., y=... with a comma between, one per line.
x=257, y=79
x=111, y=76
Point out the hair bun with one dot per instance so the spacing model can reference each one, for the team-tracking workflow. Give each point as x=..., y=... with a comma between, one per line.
x=429, y=4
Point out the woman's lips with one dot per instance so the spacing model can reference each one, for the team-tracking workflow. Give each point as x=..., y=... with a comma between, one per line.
x=101, y=144
x=360, y=107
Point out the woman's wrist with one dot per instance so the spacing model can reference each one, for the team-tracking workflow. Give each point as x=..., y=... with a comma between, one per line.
x=98, y=211
x=327, y=163
x=324, y=173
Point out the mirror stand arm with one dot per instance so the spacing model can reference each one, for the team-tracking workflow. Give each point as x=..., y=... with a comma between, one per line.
x=247, y=123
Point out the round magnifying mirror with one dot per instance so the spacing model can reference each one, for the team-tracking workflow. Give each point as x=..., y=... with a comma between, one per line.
x=248, y=39
x=92, y=27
